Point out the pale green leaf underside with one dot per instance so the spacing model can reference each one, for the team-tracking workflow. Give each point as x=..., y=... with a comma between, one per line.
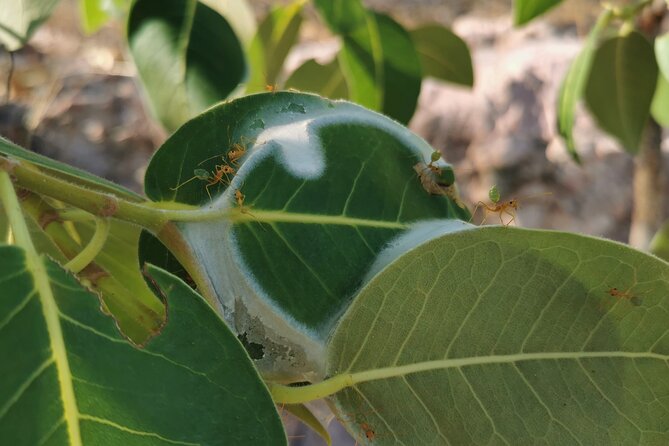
x=508, y=336
x=69, y=377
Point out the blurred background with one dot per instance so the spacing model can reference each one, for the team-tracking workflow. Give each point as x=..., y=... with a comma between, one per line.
x=76, y=98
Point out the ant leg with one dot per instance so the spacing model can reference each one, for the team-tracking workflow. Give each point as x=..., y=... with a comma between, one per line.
x=513, y=217
x=476, y=208
x=207, y=189
x=181, y=184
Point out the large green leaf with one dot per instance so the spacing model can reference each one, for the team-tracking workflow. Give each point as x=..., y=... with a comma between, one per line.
x=326, y=80
x=574, y=83
x=662, y=54
x=70, y=378
x=659, y=108
x=65, y=171
x=187, y=56
x=620, y=87
x=19, y=19
x=327, y=185
x=526, y=10
x=276, y=36
x=443, y=55
x=500, y=335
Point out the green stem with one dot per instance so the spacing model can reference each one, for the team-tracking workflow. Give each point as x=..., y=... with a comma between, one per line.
x=75, y=215
x=93, y=247
x=97, y=203
x=12, y=209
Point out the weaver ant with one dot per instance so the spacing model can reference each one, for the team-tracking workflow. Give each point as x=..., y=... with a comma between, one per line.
x=237, y=151
x=508, y=207
x=212, y=178
x=615, y=292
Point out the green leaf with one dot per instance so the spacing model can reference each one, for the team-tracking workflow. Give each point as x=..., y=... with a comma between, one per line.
x=526, y=10
x=65, y=171
x=360, y=60
x=305, y=415
x=93, y=15
x=402, y=73
x=276, y=36
x=381, y=67
x=20, y=19
x=326, y=80
x=316, y=173
x=121, y=285
x=659, y=108
x=620, y=87
x=343, y=16
x=443, y=55
x=500, y=335
x=70, y=378
x=662, y=54
x=239, y=15
x=187, y=55
x=378, y=58
x=660, y=243
x=573, y=85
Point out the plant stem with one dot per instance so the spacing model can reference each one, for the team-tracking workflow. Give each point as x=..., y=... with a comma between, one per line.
x=93, y=247
x=649, y=188
x=97, y=203
x=13, y=211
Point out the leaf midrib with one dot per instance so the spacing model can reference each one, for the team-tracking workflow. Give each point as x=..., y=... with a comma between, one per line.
x=394, y=371
x=320, y=219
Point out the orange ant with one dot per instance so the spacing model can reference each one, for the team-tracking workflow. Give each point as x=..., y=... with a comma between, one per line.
x=271, y=88
x=369, y=432
x=212, y=178
x=237, y=151
x=615, y=292
x=506, y=207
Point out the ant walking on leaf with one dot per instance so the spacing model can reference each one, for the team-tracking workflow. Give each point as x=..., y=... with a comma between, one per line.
x=627, y=295
x=212, y=178
x=508, y=207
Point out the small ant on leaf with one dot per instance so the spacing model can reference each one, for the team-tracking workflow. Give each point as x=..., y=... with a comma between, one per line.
x=615, y=292
x=508, y=207
x=212, y=178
